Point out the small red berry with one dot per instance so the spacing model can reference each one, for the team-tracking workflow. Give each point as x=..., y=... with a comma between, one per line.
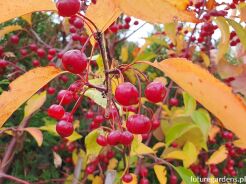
x=90, y=169
x=128, y=20
x=51, y=90
x=114, y=137
x=67, y=117
x=64, y=128
x=174, y=102
x=41, y=52
x=52, y=51
x=155, y=124
x=173, y=179
x=56, y=111
x=74, y=61
x=126, y=94
x=102, y=140
x=67, y=8
x=138, y=124
x=35, y=63
x=127, y=178
x=155, y=92
x=143, y=171
x=14, y=39
x=65, y=97
x=98, y=119
x=126, y=138
x=144, y=181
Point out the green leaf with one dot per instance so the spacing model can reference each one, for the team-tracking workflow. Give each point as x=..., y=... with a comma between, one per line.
x=190, y=103
x=186, y=175
x=190, y=150
x=92, y=148
x=202, y=118
x=177, y=130
x=225, y=37
x=241, y=32
x=145, y=56
x=97, y=97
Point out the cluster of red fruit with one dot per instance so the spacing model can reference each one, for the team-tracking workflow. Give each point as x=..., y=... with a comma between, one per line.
x=232, y=162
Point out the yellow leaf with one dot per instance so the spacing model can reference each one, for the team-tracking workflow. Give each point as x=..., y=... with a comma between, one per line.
x=181, y=5
x=190, y=150
x=142, y=149
x=16, y=8
x=74, y=137
x=22, y=88
x=112, y=163
x=49, y=128
x=158, y=146
x=134, y=180
x=170, y=30
x=34, y=103
x=27, y=18
x=160, y=11
x=124, y=54
x=79, y=153
x=57, y=160
x=205, y=59
x=225, y=37
x=36, y=133
x=9, y=29
x=239, y=143
x=161, y=173
x=218, y=156
x=177, y=154
x=207, y=90
x=97, y=180
x=66, y=25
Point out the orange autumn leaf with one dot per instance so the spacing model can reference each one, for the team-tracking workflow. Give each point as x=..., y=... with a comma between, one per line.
x=158, y=11
x=20, y=7
x=22, y=88
x=105, y=12
x=9, y=29
x=211, y=4
x=209, y=91
x=213, y=132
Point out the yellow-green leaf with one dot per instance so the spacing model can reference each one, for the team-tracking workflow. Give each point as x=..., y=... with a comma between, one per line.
x=241, y=32
x=36, y=133
x=190, y=150
x=124, y=54
x=22, y=88
x=207, y=90
x=34, y=103
x=170, y=30
x=74, y=137
x=225, y=37
x=218, y=156
x=17, y=8
x=161, y=173
x=92, y=148
x=9, y=29
x=27, y=18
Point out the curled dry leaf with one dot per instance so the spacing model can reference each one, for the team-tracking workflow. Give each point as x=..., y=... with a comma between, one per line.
x=19, y=8
x=22, y=88
x=209, y=91
x=57, y=160
x=36, y=133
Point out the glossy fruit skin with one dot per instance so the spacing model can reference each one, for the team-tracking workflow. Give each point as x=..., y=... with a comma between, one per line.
x=155, y=124
x=14, y=39
x=138, y=124
x=114, y=137
x=98, y=119
x=64, y=128
x=126, y=138
x=144, y=181
x=56, y=111
x=127, y=178
x=102, y=140
x=41, y=52
x=143, y=171
x=35, y=63
x=67, y=117
x=3, y=63
x=90, y=169
x=68, y=8
x=65, y=97
x=155, y=92
x=127, y=94
x=74, y=61
x=174, y=102
x=51, y=90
